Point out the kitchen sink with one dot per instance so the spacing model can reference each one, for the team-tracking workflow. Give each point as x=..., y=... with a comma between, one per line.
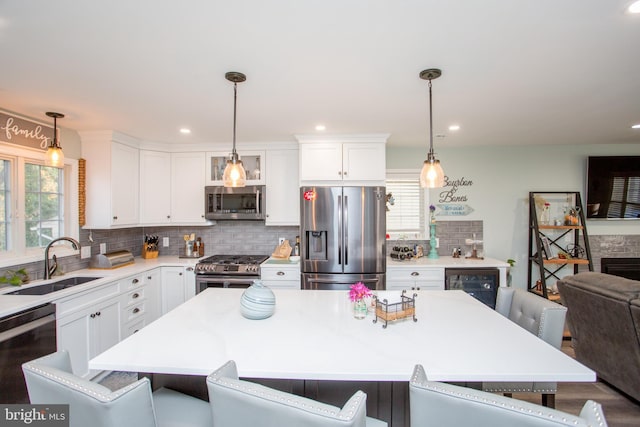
x=54, y=286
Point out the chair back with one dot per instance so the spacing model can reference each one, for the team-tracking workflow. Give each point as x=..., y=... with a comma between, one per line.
x=239, y=403
x=50, y=380
x=536, y=314
x=438, y=404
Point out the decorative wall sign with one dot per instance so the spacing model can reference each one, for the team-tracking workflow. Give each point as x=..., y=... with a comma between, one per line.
x=453, y=209
x=24, y=132
x=449, y=200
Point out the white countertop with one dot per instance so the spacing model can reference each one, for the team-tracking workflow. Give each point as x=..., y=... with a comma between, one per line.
x=10, y=304
x=447, y=262
x=313, y=335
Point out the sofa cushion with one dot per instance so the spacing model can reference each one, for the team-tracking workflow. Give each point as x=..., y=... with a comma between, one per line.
x=606, y=284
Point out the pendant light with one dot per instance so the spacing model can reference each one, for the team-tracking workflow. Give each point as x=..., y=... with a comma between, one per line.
x=432, y=175
x=54, y=156
x=234, y=174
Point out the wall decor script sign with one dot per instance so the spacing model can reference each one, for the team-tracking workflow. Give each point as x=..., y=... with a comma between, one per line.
x=450, y=200
x=24, y=132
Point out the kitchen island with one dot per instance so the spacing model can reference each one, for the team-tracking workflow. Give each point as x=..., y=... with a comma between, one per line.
x=313, y=337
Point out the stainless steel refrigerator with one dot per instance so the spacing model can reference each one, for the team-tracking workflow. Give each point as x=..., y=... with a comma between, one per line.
x=343, y=237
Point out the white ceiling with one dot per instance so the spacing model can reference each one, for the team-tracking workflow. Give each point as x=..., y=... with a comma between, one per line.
x=514, y=72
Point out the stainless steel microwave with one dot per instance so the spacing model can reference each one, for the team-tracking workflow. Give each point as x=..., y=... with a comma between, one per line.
x=234, y=203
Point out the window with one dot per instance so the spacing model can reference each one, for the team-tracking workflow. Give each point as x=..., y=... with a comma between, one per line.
x=625, y=199
x=44, y=204
x=38, y=204
x=5, y=204
x=407, y=217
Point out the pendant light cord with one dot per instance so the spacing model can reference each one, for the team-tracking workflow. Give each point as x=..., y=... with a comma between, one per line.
x=431, y=155
x=235, y=97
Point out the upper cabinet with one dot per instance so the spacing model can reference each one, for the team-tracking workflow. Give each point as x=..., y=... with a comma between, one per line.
x=252, y=160
x=282, y=193
x=172, y=188
x=342, y=159
x=112, y=189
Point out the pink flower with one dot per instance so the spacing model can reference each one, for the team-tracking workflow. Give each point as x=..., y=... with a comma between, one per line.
x=358, y=291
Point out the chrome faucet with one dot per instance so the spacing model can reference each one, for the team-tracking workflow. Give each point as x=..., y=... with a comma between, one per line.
x=49, y=270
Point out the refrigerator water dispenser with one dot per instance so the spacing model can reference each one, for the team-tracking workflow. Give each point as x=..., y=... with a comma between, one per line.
x=317, y=249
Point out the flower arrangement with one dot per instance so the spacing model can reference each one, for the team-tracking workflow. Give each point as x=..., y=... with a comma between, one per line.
x=432, y=213
x=358, y=291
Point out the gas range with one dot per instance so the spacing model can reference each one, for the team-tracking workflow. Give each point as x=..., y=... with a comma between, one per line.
x=231, y=265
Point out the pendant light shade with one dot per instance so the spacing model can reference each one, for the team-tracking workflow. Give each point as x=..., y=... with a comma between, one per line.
x=234, y=174
x=54, y=156
x=432, y=175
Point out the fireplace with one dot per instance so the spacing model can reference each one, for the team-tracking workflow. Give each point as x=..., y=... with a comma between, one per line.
x=624, y=267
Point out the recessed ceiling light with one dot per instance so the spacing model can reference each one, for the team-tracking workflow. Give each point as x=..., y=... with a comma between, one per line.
x=454, y=127
x=321, y=127
x=185, y=131
x=636, y=126
x=634, y=7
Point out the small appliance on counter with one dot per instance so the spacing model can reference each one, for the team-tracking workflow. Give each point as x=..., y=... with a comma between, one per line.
x=111, y=260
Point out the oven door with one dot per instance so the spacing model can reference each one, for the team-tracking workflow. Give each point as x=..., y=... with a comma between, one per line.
x=211, y=281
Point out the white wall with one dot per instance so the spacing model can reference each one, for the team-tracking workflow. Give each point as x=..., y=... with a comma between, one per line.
x=502, y=178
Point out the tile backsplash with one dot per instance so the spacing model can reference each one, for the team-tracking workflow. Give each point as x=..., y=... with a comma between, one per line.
x=253, y=237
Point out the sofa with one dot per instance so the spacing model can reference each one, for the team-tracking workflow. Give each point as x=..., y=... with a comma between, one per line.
x=604, y=321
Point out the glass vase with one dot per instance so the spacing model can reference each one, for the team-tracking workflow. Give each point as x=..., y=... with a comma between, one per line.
x=360, y=309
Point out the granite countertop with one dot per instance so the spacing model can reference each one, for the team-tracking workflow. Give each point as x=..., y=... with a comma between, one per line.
x=10, y=304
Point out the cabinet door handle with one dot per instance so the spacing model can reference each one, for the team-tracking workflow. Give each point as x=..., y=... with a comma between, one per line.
x=136, y=310
x=280, y=273
x=115, y=218
x=168, y=216
x=136, y=295
x=340, y=173
x=344, y=173
x=415, y=273
x=148, y=277
x=98, y=313
x=92, y=315
x=189, y=268
x=134, y=281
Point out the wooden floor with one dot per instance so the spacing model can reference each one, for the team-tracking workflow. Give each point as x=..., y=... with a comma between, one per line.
x=619, y=410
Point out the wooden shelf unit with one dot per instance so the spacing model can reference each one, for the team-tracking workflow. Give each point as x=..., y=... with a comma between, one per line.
x=552, y=234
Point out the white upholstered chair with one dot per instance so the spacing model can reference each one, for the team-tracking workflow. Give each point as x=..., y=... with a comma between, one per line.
x=239, y=403
x=541, y=317
x=445, y=405
x=50, y=381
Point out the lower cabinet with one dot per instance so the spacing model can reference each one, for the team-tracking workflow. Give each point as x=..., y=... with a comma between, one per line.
x=280, y=275
x=178, y=285
x=415, y=278
x=89, y=332
x=91, y=322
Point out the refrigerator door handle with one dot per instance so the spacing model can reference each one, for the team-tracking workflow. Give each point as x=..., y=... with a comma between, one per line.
x=346, y=230
x=340, y=230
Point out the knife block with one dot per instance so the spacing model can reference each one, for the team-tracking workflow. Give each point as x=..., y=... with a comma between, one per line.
x=147, y=253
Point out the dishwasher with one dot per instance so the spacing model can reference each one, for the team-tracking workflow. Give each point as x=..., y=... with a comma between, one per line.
x=24, y=336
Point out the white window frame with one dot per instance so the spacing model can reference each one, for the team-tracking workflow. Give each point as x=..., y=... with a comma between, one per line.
x=411, y=174
x=19, y=253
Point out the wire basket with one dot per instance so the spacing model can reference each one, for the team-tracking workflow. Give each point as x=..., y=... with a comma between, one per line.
x=388, y=312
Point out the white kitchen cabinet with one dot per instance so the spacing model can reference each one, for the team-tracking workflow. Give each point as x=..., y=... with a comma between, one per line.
x=346, y=160
x=153, y=290
x=187, y=188
x=178, y=285
x=252, y=160
x=155, y=182
x=134, y=304
x=415, y=278
x=112, y=180
x=172, y=188
x=280, y=274
x=282, y=187
x=88, y=332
